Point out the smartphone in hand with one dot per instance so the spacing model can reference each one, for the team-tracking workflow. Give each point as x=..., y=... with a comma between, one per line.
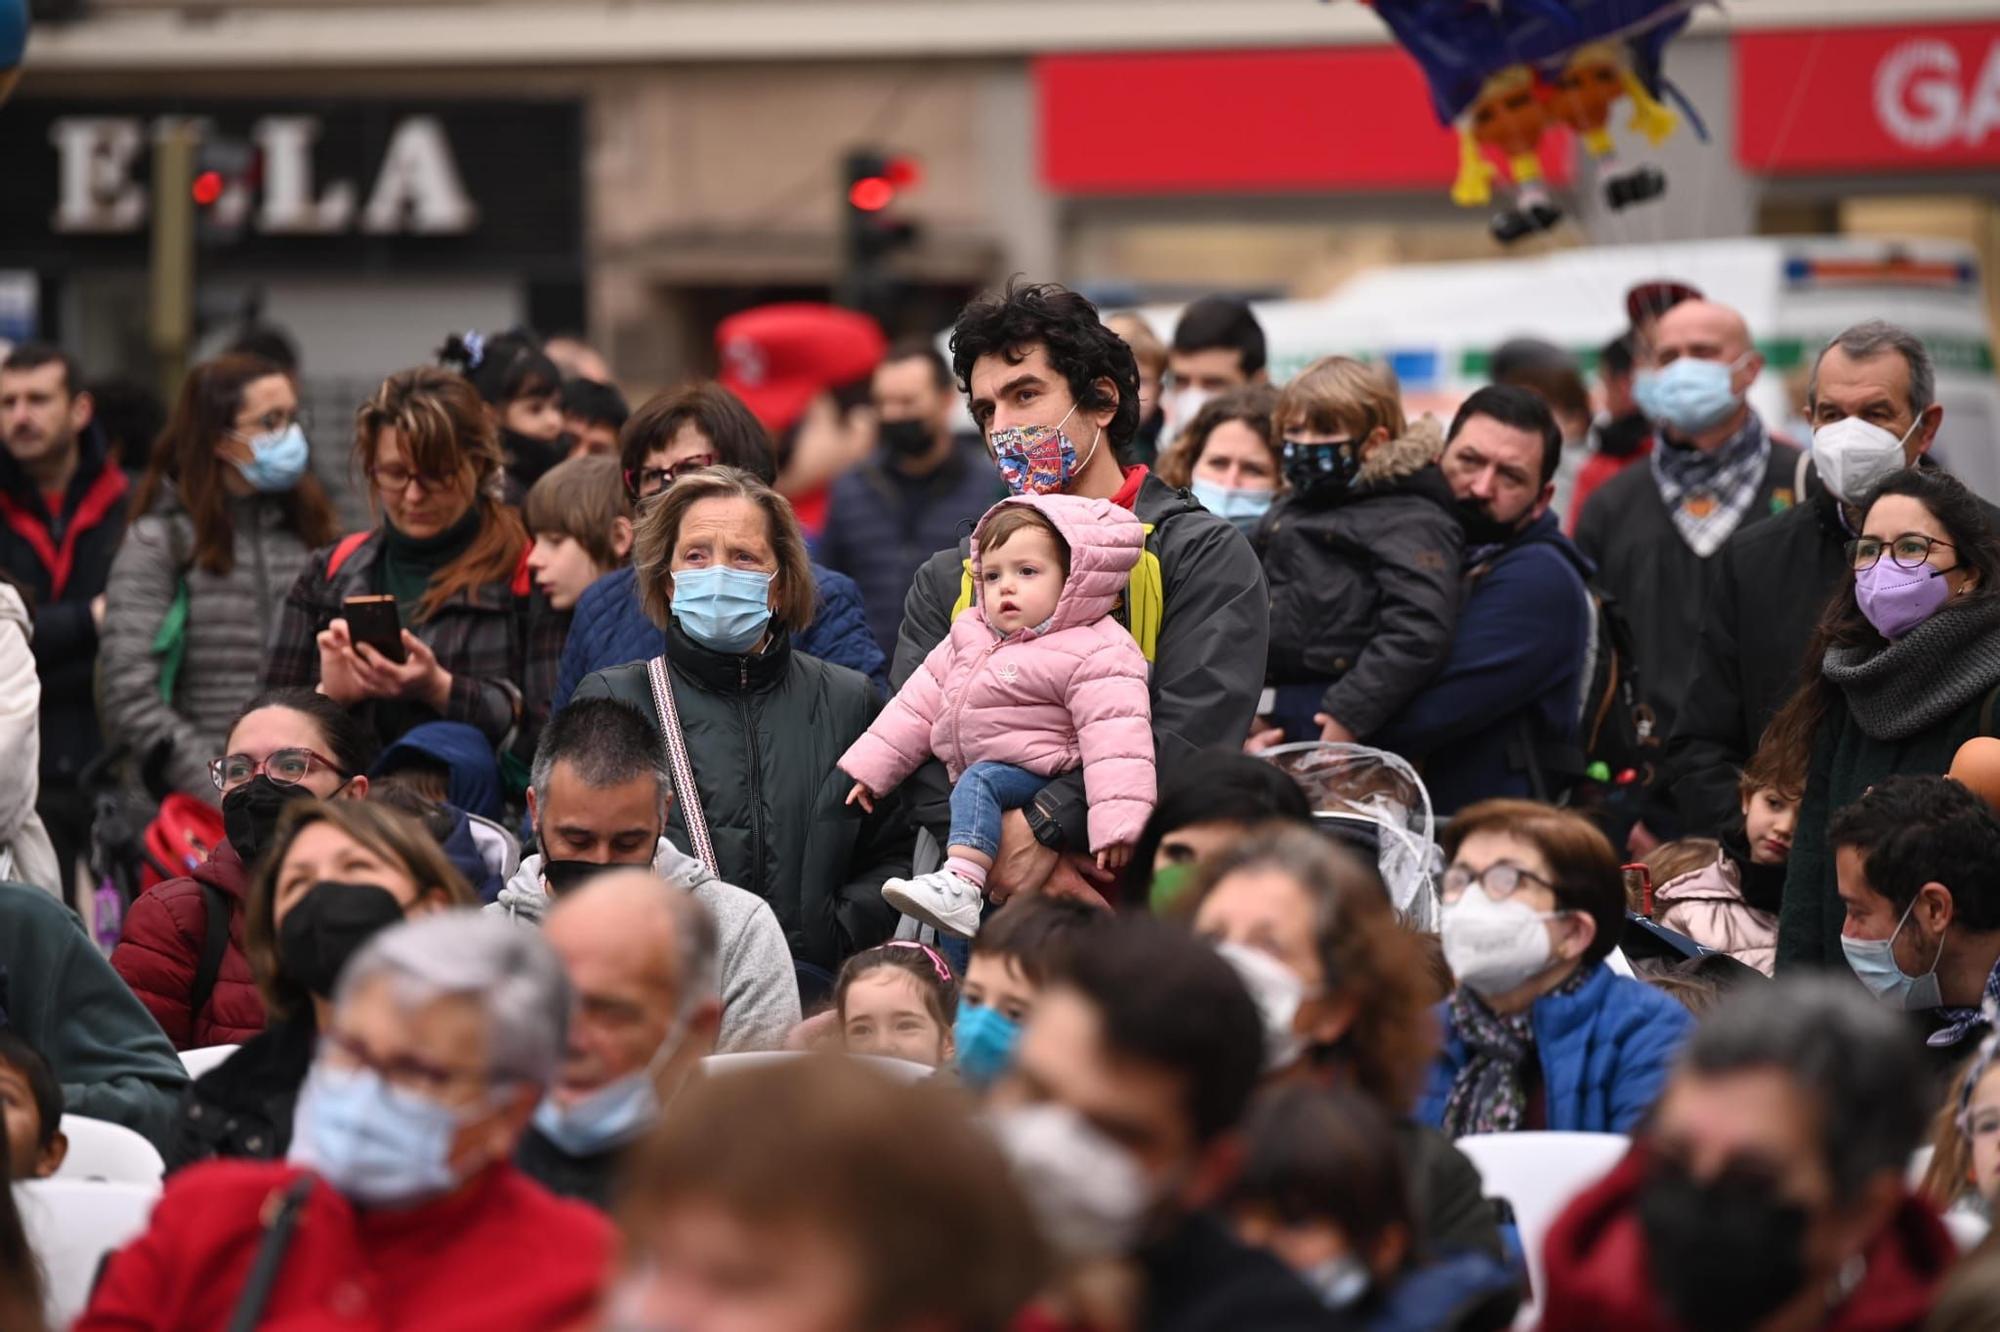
x=375, y=621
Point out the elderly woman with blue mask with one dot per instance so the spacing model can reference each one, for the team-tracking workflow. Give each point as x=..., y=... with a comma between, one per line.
x=399, y=1205
x=754, y=727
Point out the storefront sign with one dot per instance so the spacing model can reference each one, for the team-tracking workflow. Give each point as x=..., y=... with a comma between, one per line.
x=1901, y=99
x=1350, y=118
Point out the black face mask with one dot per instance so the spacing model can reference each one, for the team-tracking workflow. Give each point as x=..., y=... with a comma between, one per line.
x=327, y=926
x=906, y=439
x=1481, y=527
x=529, y=458
x=250, y=814
x=1321, y=473
x=1621, y=438
x=1724, y=1255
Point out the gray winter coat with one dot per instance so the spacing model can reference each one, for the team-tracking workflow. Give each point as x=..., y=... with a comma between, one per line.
x=760, y=994
x=230, y=619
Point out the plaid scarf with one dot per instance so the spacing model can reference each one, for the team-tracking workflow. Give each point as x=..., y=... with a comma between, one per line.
x=1490, y=1093
x=1960, y=1022
x=1710, y=493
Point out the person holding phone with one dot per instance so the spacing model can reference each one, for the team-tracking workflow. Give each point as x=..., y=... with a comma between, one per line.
x=448, y=557
x=222, y=524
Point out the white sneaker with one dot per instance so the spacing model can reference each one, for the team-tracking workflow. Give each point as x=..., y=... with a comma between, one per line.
x=939, y=899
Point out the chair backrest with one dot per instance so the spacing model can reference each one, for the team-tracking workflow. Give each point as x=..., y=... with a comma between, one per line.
x=101, y=1150
x=901, y=1070
x=71, y=1225
x=1539, y=1174
x=198, y=1062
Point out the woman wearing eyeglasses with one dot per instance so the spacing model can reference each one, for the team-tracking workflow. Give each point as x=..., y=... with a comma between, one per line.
x=1541, y=1033
x=451, y=556
x=338, y=873
x=1902, y=670
x=222, y=524
x=287, y=745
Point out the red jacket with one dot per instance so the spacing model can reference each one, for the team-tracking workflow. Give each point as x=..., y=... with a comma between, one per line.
x=161, y=947
x=500, y=1253
x=1597, y=1272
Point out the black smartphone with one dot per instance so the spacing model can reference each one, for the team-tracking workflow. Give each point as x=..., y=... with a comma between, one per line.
x=375, y=621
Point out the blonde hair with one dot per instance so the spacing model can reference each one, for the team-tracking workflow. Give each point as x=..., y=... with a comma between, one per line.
x=660, y=530
x=1338, y=393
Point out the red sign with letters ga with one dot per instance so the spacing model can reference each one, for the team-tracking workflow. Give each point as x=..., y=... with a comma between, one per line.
x=1342, y=118
x=1908, y=99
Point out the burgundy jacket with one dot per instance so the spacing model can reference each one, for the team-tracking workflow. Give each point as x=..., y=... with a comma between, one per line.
x=161, y=948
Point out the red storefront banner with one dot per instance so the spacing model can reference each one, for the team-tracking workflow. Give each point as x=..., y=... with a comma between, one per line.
x=1902, y=99
x=1352, y=118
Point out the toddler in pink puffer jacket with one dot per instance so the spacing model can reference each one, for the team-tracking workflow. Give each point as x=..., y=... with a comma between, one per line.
x=1035, y=680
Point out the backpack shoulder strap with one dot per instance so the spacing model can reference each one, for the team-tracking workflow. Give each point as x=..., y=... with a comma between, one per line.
x=524, y=577
x=214, y=947
x=343, y=548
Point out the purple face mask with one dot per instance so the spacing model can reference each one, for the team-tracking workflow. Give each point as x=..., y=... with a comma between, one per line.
x=1897, y=600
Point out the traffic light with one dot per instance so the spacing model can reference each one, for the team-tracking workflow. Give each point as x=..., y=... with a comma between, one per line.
x=872, y=233
x=222, y=187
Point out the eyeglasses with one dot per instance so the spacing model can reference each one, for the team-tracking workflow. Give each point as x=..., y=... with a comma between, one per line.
x=286, y=767
x=1498, y=882
x=405, y=1073
x=275, y=420
x=646, y=482
x=1911, y=550
x=394, y=479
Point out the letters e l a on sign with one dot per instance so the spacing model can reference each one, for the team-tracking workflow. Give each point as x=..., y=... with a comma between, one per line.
x=416, y=190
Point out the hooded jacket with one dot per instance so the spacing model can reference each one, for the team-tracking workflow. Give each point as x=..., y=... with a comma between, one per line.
x=1364, y=592
x=760, y=995
x=472, y=780
x=1049, y=699
x=1598, y=1275
x=161, y=950
x=26, y=854
x=230, y=619
x=1207, y=664
x=1707, y=906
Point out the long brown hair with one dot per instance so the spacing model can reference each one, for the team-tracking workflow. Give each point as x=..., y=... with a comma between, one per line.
x=446, y=432
x=1788, y=741
x=186, y=455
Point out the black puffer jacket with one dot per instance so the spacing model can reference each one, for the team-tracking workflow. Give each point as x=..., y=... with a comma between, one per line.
x=763, y=733
x=1364, y=592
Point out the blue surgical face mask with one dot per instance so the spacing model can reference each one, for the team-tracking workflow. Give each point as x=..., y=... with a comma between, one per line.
x=724, y=609
x=1242, y=507
x=986, y=1040
x=1339, y=1282
x=375, y=1144
x=615, y=1113
x=277, y=460
x=1689, y=395
x=1874, y=965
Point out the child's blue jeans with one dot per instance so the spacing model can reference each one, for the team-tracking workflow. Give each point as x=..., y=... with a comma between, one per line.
x=984, y=792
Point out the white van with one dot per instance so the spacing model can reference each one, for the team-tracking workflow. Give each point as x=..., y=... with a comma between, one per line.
x=1437, y=324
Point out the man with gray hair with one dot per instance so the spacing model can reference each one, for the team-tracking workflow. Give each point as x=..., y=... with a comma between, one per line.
x=399, y=1196
x=642, y=965
x=598, y=797
x=1872, y=401
x=1768, y=1189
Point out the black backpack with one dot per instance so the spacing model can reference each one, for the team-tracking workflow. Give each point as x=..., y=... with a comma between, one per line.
x=214, y=947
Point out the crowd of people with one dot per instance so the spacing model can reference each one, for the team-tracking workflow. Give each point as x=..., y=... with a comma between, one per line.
x=765, y=858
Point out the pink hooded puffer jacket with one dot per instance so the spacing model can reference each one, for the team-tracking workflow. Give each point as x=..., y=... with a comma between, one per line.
x=1047, y=702
x=1707, y=906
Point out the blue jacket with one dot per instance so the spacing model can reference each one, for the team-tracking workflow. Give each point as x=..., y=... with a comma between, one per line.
x=1524, y=628
x=473, y=775
x=881, y=527
x=609, y=629
x=1605, y=1051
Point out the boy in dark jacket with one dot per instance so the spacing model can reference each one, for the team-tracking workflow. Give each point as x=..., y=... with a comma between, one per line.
x=1362, y=555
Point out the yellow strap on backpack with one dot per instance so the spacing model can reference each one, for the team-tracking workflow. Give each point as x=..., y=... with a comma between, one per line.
x=1145, y=599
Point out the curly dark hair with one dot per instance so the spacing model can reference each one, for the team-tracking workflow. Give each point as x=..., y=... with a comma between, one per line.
x=1080, y=348
x=1914, y=829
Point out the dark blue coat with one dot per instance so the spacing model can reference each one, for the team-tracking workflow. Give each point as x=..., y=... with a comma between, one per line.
x=473, y=780
x=1605, y=1052
x=1524, y=627
x=880, y=528
x=609, y=629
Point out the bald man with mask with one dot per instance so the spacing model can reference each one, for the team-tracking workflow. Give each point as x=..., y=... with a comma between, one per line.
x=641, y=962
x=1652, y=530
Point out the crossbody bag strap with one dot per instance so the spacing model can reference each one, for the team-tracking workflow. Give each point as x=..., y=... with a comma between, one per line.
x=281, y=1218
x=677, y=758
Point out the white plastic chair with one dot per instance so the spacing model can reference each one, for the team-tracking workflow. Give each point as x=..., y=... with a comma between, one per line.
x=902, y=1070
x=101, y=1150
x=71, y=1225
x=1539, y=1174
x=198, y=1062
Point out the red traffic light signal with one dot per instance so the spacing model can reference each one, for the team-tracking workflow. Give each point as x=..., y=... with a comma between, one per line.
x=207, y=188
x=871, y=194
x=904, y=173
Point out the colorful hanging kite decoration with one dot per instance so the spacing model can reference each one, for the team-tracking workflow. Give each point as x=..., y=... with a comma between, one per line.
x=1501, y=72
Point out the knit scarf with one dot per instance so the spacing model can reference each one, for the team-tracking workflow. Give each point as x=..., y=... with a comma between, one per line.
x=1490, y=1093
x=1908, y=686
x=1710, y=493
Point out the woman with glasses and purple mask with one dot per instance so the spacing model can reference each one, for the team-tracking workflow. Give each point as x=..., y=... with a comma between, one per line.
x=337, y=873
x=1902, y=670
x=187, y=965
x=222, y=523
x=1541, y=1034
